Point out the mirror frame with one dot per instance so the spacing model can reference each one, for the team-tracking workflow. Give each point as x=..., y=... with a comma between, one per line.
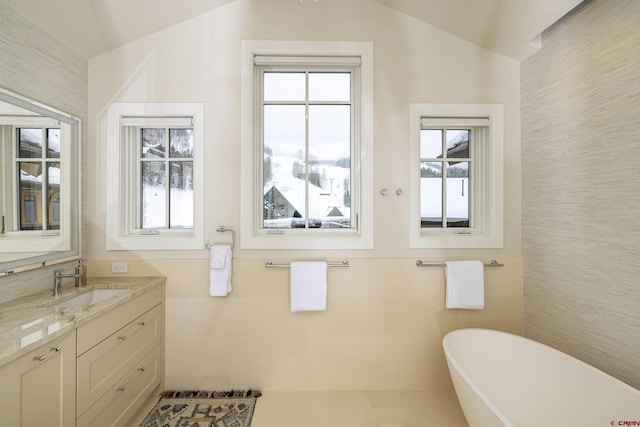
x=74, y=252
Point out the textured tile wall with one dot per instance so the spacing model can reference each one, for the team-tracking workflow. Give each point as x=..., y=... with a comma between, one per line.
x=34, y=65
x=581, y=181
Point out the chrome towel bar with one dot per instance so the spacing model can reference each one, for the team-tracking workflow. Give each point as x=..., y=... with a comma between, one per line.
x=271, y=264
x=493, y=263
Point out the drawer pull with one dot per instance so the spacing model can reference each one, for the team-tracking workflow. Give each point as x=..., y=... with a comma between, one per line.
x=44, y=356
x=122, y=337
x=124, y=387
x=140, y=323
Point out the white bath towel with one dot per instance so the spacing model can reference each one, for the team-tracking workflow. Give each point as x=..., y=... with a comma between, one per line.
x=465, y=284
x=220, y=271
x=308, y=286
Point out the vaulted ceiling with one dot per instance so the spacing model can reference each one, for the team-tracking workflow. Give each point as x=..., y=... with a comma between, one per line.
x=91, y=27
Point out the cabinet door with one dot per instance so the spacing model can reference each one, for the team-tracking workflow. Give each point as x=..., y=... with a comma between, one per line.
x=38, y=389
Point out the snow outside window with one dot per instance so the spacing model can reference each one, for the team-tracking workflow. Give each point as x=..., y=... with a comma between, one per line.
x=456, y=195
x=155, y=167
x=304, y=145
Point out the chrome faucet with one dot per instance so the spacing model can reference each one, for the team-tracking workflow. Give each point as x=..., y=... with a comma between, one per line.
x=58, y=275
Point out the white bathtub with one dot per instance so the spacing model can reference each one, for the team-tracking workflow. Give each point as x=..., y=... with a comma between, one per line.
x=507, y=380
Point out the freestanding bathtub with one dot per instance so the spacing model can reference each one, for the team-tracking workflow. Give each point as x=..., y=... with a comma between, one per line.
x=507, y=380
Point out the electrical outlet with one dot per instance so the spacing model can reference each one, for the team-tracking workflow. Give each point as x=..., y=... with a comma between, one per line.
x=119, y=267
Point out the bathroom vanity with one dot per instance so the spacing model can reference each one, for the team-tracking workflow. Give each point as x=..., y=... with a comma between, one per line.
x=78, y=361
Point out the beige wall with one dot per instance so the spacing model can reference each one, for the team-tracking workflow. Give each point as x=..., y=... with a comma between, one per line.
x=580, y=156
x=34, y=65
x=383, y=326
x=385, y=316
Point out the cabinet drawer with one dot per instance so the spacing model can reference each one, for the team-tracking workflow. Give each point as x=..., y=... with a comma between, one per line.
x=123, y=399
x=102, y=368
x=95, y=331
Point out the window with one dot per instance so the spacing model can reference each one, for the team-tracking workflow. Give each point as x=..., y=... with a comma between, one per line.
x=55, y=210
x=155, y=164
x=306, y=127
x=307, y=140
x=456, y=196
x=165, y=176
x=29, y=211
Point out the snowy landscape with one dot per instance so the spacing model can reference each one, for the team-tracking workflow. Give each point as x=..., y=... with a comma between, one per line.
x=329, y=194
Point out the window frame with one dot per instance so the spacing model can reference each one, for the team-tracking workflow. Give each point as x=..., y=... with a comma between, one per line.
x=123, y=228
x=329, y=56
x=486, y=206
x=46, y=239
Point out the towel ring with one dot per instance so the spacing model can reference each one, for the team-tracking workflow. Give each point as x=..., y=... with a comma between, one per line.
x=223, y=229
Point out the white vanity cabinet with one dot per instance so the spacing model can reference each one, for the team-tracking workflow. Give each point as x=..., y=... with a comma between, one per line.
x=38, y=389
x=119, y=361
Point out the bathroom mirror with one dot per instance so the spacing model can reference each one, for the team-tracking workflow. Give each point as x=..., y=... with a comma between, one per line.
x=39, y=184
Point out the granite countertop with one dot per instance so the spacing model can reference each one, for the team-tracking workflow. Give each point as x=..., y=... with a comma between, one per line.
x=29, y=322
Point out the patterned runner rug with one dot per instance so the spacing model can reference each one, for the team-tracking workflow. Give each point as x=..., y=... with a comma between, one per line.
x=203, y=409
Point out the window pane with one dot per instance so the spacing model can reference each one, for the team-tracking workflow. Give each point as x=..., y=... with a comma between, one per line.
x=29, y=143
x=53, y=143
x=154, y=143
x=29, y=192
x=329, y=86
x=329, y=166
x=284, y=129
x=284, y=169
x=458, y=194
x=30, y=174
x=53, y=196
x=430, y=144
x=284, y=86
x=458, y=144
x=430, y=194
x=181, y=143
x=181, y=195
x=153, y=195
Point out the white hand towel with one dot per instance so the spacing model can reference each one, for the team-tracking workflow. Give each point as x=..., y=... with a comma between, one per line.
x=308, y=286
x=465, y=284
x=220, y=271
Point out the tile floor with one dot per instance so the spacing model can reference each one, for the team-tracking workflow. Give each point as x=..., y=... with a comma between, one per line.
x=358, y=409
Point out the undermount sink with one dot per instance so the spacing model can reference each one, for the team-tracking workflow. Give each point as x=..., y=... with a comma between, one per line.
x=88, y=299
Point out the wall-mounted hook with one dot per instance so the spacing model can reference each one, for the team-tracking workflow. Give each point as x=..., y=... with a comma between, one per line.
x=384, y=191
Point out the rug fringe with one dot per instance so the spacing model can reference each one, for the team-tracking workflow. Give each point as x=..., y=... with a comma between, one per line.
x=174, y=394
